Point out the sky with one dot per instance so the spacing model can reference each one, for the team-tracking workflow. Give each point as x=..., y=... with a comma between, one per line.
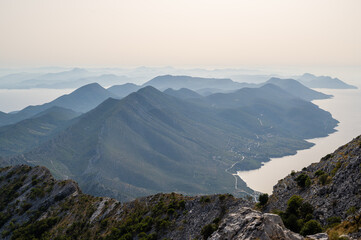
x=180, y=33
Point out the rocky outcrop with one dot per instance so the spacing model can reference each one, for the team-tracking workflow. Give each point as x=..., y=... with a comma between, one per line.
x=333, y=188
x=34, y=205
x=247, y=223
x=26, y=193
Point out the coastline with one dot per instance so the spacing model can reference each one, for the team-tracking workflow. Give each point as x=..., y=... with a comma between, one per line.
x=343, y=107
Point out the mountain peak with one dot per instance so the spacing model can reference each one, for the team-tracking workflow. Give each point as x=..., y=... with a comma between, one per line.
x=297, y=89
x=148, y=90
x=90, y=86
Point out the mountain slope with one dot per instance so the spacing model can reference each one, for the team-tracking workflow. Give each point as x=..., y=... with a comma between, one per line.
x=277, y=108
x=313, y=81
x=182, y=93
x=29, y=133
x=82, y=99
x=140, y=143
x=297, y=89
x=332, y=186
x=123, y=90
x=149, y=142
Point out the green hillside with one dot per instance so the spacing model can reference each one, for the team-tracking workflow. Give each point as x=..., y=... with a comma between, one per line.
x=151, y=142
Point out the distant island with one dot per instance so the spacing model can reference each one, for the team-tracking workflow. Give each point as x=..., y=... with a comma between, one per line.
x=313, y=81
x=62, y=78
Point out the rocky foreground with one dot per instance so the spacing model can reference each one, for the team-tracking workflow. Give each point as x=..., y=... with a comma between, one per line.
x=332, y=186
x=324, y=197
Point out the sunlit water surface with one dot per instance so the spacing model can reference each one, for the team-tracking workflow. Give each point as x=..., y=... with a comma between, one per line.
x=17, y=99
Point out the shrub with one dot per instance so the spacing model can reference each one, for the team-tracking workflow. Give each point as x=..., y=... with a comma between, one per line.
x=181, y=204
x=35, y=230
x=305, y=209
x=293, y=204
x=323, y=178
x=351, y=210
x=303, y=180
x=326, y=157
x=291, y=222
x=171, y=211
x=263, y=199
x=208, y=229
x=297, y=214
x=222, y=197
x=333, y=221
x=311, y=227
x=205, y=199
x=25, y=206
x=319, y=172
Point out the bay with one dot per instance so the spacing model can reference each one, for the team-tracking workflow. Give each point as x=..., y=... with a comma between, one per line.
x=345, y=106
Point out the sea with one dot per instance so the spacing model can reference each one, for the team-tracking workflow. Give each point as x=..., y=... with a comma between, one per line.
x=345, y=106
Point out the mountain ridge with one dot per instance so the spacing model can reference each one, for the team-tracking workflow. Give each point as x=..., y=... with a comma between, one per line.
x=115, y=144
x=313, y=81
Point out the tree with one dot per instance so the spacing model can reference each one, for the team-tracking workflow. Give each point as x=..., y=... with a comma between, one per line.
x=263, y=199
x=293, y=205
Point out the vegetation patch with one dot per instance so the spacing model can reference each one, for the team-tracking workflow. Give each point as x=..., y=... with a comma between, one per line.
x=299, y=218
x=303, y=180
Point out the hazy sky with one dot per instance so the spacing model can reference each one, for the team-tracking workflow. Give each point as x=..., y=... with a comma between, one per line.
x=179, y=32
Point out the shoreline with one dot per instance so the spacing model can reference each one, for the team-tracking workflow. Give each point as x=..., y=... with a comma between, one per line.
x=343, y=107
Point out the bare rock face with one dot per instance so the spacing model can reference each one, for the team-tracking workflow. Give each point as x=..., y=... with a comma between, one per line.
x=318, y=236
x=335, y=185
x=247, y=223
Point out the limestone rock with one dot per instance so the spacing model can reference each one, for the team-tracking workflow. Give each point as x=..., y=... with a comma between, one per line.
x=247, y=223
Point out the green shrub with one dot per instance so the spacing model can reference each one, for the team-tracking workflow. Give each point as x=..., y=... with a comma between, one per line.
x=305, y=209
x=34, y=230
x=205, y=199
x=336, y=168
x=292, y=223
x=171, y=211
x=181, y=204
x=311, y=227
x=326, y=157
x=208, y=229
x=303, y=180
x=222, y=197
x=333, y=221
x=323, y=178
x=319, y=172
x=351, y=210
x=297, y=214
x=263, y=199
x=25, y=206
x=293, y=204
